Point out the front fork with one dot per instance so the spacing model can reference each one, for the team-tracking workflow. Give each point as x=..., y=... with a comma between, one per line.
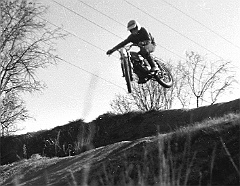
x=130, y=68
x=123, y=74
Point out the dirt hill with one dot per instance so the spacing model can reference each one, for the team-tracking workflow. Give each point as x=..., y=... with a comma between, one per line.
x=173, y=147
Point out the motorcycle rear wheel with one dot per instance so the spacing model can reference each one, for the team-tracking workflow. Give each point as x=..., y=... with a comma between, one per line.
x=164, y=76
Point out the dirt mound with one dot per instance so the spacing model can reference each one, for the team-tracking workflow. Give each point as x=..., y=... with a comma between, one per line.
x=131, y=126
x=204, y=154
x=78, y=136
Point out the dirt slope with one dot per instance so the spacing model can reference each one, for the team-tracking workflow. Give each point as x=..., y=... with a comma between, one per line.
x=130, y=161
x=131, y=126
x=106, y=129
x=130, y=151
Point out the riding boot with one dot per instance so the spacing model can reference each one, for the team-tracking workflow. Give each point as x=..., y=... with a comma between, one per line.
x=153, y=65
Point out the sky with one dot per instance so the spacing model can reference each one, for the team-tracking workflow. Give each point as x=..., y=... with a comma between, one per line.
x=84, y=83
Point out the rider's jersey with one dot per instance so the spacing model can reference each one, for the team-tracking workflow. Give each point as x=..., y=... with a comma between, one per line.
x=141, y=36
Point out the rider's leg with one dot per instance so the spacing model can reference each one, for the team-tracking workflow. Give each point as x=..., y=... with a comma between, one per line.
x=152, y=63
x=149, y=58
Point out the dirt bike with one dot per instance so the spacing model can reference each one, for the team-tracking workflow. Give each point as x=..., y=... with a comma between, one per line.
x=132, y=62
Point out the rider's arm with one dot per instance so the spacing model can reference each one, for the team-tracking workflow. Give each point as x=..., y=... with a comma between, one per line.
x=122, y=44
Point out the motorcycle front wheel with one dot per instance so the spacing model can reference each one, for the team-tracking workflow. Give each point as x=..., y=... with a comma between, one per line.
x=127, y=74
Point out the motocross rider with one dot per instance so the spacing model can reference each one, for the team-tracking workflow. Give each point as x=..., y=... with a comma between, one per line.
x=141, y=37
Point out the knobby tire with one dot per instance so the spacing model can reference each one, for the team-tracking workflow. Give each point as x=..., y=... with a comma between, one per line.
x=127, y=73
x=164, y=76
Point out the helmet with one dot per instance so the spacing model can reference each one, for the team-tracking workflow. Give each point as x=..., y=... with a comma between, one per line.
x=133, y=24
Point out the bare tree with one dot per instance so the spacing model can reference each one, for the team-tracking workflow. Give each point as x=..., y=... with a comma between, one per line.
x=26, y=44
x=149, y=96
x=220, y=87
x=206, y=79
x=121, y=104
x=180, y=89
x=12, y=111
x=144, y=97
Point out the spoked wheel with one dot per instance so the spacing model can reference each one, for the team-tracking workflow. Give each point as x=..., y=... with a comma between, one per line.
x=127, y=74
x=164, y=76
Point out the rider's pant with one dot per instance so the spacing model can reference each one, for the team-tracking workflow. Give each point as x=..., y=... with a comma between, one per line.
x=145, y=53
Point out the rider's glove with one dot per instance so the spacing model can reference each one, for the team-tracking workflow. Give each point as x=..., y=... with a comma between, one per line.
x=109, y=52
x=143, y=43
